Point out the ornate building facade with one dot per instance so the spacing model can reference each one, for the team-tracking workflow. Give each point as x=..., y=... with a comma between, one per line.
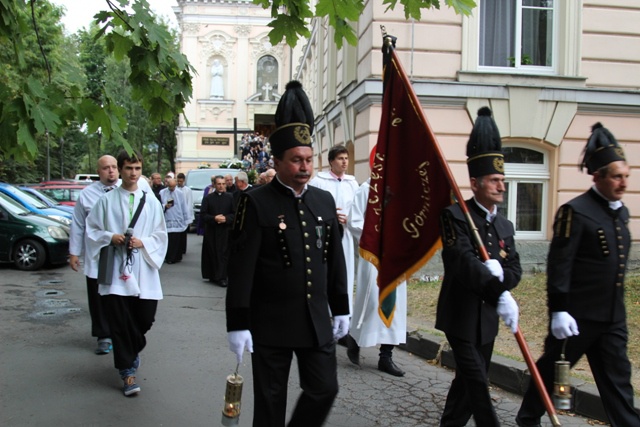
x=239, y=78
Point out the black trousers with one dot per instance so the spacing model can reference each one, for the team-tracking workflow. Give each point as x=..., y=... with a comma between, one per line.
x=317, y=368
x=97, y=311
x=469, y=393
x=605, y=345
x=183, y=241
x=129, y=319
x=174, y=247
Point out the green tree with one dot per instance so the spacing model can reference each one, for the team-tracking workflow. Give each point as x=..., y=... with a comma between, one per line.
x=41, y=99
x=290, y=16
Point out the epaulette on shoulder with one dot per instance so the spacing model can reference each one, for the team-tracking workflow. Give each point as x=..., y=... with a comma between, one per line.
x=562, y=222
x=448, y=229
x=241, y=210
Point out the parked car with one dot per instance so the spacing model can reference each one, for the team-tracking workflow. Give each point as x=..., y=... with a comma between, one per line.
x=30, y=240
x=198, y=180
x=52, y=203
x=66, y=194
x=87, y=177
x=34, y=204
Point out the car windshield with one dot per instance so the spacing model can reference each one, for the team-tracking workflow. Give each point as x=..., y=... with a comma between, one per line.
x=48, y=200
x=62, y=194
x=12, y=206
x=31, y=199
x=199, y=179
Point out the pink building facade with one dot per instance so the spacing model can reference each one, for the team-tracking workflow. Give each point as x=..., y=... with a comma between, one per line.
x=548, y=71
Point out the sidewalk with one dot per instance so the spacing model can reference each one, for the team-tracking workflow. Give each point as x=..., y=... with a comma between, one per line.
x=508, y=374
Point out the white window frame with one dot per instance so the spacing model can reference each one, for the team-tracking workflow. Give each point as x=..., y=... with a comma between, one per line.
x=520, y=173
x=519, y=68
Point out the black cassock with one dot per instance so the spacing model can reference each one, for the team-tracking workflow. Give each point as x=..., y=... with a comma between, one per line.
x=215, y=247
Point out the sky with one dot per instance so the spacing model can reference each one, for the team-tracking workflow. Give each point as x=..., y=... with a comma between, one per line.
x=80, y=13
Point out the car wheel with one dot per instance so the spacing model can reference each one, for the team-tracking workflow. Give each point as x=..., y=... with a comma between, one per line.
x=29, y=255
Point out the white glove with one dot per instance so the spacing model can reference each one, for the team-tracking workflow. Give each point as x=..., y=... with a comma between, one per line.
x=563, y=325
x=508, y=311
x=340, y=326
x=238, y=341
x=495, y=268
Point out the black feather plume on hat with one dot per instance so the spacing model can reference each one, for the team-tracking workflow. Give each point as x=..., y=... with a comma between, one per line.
x=601, y=149
x=294, y=120
x=484, y=148
x=294, y=107
x=485, y=136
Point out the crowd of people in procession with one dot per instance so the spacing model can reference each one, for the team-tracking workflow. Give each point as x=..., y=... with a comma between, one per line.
x=285, y=249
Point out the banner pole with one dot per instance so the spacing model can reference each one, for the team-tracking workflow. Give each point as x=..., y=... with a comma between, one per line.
x=388, y=42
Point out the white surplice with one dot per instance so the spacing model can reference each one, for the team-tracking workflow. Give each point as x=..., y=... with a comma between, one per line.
x=343, y=192
x=112, y=215
x=366, y=326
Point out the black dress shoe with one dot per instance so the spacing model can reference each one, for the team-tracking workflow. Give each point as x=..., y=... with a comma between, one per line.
x=222, y=283
x=523, y=423
x=385, y=364
x=353, y=350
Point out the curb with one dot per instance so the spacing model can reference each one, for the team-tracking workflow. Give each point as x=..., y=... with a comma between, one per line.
x=508, y=374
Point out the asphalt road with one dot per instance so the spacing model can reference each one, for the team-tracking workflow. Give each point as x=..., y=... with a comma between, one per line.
x=50, y=376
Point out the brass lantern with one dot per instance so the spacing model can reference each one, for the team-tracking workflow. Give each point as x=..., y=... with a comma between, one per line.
x=562, y=383
x=232, y=398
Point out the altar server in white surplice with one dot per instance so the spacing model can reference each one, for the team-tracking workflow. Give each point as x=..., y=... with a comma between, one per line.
x=343, y=188
x=367, y=328
x=132, y=298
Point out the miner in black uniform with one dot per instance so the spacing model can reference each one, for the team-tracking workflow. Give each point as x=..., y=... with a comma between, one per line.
x=585, y=285
x=287, y=277
x=475, y=293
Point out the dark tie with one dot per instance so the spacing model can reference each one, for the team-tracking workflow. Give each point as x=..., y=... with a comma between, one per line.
x=107, y=189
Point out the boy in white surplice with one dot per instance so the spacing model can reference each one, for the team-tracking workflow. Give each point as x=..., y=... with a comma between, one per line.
x=132, y=298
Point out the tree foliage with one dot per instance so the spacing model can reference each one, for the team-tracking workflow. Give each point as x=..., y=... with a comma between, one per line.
x=39, y=95
x=290, y=17
x=45, y=96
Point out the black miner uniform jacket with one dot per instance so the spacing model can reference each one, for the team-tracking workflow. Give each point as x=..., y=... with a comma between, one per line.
x=469, y=294
x=588, y=258
x=286, y=267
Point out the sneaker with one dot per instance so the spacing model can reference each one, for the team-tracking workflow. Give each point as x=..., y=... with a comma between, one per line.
x=130, y=387
x=104, y=346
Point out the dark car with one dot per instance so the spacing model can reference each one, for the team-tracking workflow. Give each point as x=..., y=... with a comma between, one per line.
x=47, y=200
x=30, y=240
x=34, y=204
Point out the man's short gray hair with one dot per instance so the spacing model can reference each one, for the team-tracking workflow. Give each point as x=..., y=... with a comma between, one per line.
x=242, y=176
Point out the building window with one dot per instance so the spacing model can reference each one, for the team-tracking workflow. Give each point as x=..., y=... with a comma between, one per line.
x=517, y=34
x=267, y=77
x=525, y=200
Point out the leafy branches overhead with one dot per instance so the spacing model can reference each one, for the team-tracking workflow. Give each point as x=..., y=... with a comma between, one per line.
x=39, y=94
x=292, y=24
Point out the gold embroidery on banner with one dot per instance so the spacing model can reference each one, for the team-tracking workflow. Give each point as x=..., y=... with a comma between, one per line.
x=420, y=218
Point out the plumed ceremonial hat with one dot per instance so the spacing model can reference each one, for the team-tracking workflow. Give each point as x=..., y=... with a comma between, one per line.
x=484, y=148
x=601, y=149
x=294, y=120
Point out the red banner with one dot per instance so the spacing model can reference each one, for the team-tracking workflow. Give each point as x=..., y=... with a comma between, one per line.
x=410, y=185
